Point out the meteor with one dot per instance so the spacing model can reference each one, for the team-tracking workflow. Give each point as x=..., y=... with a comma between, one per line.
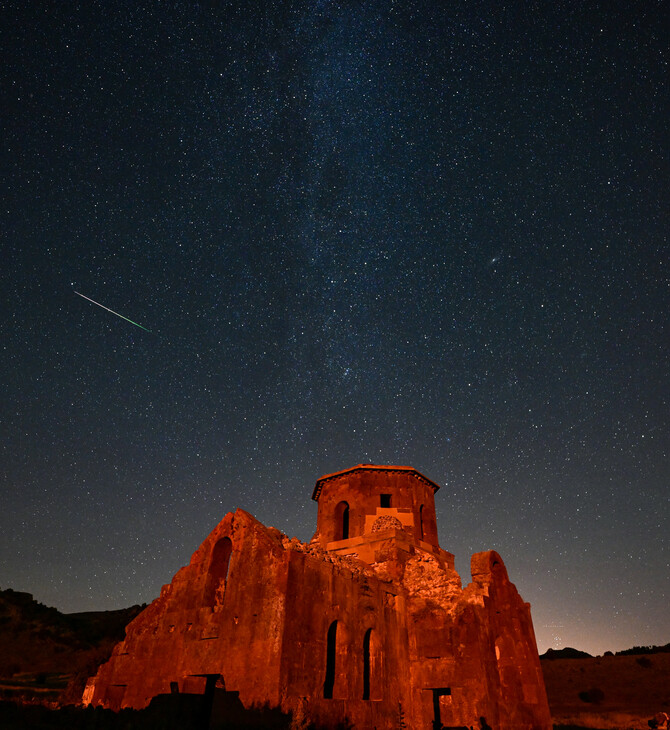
x=113, y=312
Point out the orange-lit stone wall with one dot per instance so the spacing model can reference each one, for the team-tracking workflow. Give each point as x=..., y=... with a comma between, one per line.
x=190, y=632
x=373, y=628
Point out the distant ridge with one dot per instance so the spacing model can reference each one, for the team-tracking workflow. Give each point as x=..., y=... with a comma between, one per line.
x=40, y=640
x=570, y=653
x=567, y=653
x=665, y=649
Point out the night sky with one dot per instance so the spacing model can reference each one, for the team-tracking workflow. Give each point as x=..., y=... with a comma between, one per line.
x=421, y=233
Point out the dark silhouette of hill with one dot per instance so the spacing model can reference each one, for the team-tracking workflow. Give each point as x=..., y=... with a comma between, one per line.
x=665, y=649
x=38, y=643
x=567, y=653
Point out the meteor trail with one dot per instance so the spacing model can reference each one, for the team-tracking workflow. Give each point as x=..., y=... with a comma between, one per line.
x=113, y=312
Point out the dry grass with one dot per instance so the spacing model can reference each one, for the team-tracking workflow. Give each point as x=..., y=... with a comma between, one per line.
x=632, y=690
x=603, y=721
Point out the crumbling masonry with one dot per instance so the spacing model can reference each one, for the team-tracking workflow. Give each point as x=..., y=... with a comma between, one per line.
x=368, y=623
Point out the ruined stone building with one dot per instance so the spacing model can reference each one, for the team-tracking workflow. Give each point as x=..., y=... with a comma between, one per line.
x=368, y=623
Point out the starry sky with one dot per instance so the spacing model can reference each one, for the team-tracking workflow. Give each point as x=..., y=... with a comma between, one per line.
x=425, y=233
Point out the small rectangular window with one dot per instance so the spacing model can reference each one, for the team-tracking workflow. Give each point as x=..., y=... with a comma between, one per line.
x=384, y=500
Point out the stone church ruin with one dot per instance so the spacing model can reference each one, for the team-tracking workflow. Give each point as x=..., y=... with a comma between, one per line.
x=366, y=624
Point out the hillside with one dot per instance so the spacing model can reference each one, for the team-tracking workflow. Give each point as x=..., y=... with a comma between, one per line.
x=622, y=691
x=42, y=649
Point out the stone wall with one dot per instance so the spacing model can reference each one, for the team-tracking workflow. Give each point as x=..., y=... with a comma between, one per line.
x=375, y=630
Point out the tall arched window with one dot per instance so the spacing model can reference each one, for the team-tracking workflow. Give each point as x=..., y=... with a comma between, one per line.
x=371, y=666
x=421, y=522
x=331, y=648
x=366, y=665
x=218, y=572
x=342, y=521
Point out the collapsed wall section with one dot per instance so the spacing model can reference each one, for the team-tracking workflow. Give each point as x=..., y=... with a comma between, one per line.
x=473, y=652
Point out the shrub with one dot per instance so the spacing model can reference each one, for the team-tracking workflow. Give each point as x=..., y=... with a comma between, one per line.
x=594, y=696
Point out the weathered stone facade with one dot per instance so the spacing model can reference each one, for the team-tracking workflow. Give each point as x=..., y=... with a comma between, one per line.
x=368, y=623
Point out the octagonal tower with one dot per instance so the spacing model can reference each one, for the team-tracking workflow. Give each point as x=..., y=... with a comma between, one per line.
x=362, y=508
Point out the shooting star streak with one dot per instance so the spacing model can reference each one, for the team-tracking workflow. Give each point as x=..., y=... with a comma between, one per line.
x=113, y=312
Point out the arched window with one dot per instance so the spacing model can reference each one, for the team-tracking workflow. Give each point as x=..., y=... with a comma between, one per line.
x=366, y=665
x=342, y=521
x=218, y=572
x=331, y=648
x=371, y=666
x=421, y=522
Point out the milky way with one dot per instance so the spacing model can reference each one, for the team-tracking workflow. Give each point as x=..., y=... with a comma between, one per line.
x=420, y=233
